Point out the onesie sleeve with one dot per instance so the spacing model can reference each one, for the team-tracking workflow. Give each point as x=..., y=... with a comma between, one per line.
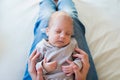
x=77, y=61
x=40, y=64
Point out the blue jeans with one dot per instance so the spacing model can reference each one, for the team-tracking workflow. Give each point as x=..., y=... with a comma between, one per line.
x=47, y=7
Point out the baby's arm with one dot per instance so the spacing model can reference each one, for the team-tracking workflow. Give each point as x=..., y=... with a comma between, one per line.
x=46, y=66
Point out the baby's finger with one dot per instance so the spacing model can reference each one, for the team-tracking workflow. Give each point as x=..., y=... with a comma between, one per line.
x=69, y=74
x=66, y=69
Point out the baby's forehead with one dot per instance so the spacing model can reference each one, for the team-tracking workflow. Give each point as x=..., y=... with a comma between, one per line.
x=60, y=17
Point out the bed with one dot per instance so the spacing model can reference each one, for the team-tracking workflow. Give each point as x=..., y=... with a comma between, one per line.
x=102, y=21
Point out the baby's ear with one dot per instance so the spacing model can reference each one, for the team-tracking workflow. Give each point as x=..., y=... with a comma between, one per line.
x=47, y=31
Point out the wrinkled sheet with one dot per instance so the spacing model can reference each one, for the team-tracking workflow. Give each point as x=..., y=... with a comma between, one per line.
x=102, y=21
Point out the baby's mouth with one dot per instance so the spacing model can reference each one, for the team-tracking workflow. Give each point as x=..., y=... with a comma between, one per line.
x=60, y=41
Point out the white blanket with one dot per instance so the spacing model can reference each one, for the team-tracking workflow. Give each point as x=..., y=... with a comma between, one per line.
x=102, y=21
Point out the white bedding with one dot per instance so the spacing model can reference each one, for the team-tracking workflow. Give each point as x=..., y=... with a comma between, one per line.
x=102, y=21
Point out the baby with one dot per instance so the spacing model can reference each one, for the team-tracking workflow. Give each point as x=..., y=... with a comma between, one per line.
x=56, y=52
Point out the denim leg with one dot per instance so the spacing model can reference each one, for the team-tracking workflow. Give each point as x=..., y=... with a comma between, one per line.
x=79, y=34
x=47, y=7
x=67, y=6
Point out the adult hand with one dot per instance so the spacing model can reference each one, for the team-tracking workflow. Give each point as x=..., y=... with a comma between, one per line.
x=82, y=74
x=35, y=74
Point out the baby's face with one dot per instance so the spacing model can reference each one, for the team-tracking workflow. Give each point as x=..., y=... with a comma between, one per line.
x=59, y=34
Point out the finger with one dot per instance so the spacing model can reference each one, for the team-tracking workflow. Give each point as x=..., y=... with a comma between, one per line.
x=33, y=54
x=68, y=61
x=66, y=69
x=69, y=74
x=39, y=70
x=76, y=69
x=53, y=64
x=80, y=51
x=39, y=74
x=81, y=57
x=34, y=58
x=84, y=58
x=78, y=74
x=81, y=54
x=77, y=55
x=86, y=66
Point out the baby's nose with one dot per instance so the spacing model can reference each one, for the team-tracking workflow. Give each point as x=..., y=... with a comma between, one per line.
x=62, y=35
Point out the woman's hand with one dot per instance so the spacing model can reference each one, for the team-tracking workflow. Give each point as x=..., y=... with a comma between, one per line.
x=82, y=74
x=35, y=74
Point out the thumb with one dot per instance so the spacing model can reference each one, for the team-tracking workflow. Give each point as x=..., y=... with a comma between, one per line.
x=75, y=69
x=77, y=73
x=68, y=61
x=39, y=74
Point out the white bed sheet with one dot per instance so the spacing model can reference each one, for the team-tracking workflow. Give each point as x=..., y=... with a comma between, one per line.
x=102, y=21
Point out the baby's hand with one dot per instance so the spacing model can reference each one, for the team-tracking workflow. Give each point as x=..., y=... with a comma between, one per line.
x=49, y=66
x=68, y=70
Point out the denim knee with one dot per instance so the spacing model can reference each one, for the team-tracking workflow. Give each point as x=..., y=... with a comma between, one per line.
x=73, y=13
x=68, y=6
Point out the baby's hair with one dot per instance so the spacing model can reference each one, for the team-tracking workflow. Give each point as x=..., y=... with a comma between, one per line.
x=57, y=14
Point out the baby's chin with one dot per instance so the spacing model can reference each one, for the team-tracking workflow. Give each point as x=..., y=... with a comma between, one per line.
x=59, y=46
